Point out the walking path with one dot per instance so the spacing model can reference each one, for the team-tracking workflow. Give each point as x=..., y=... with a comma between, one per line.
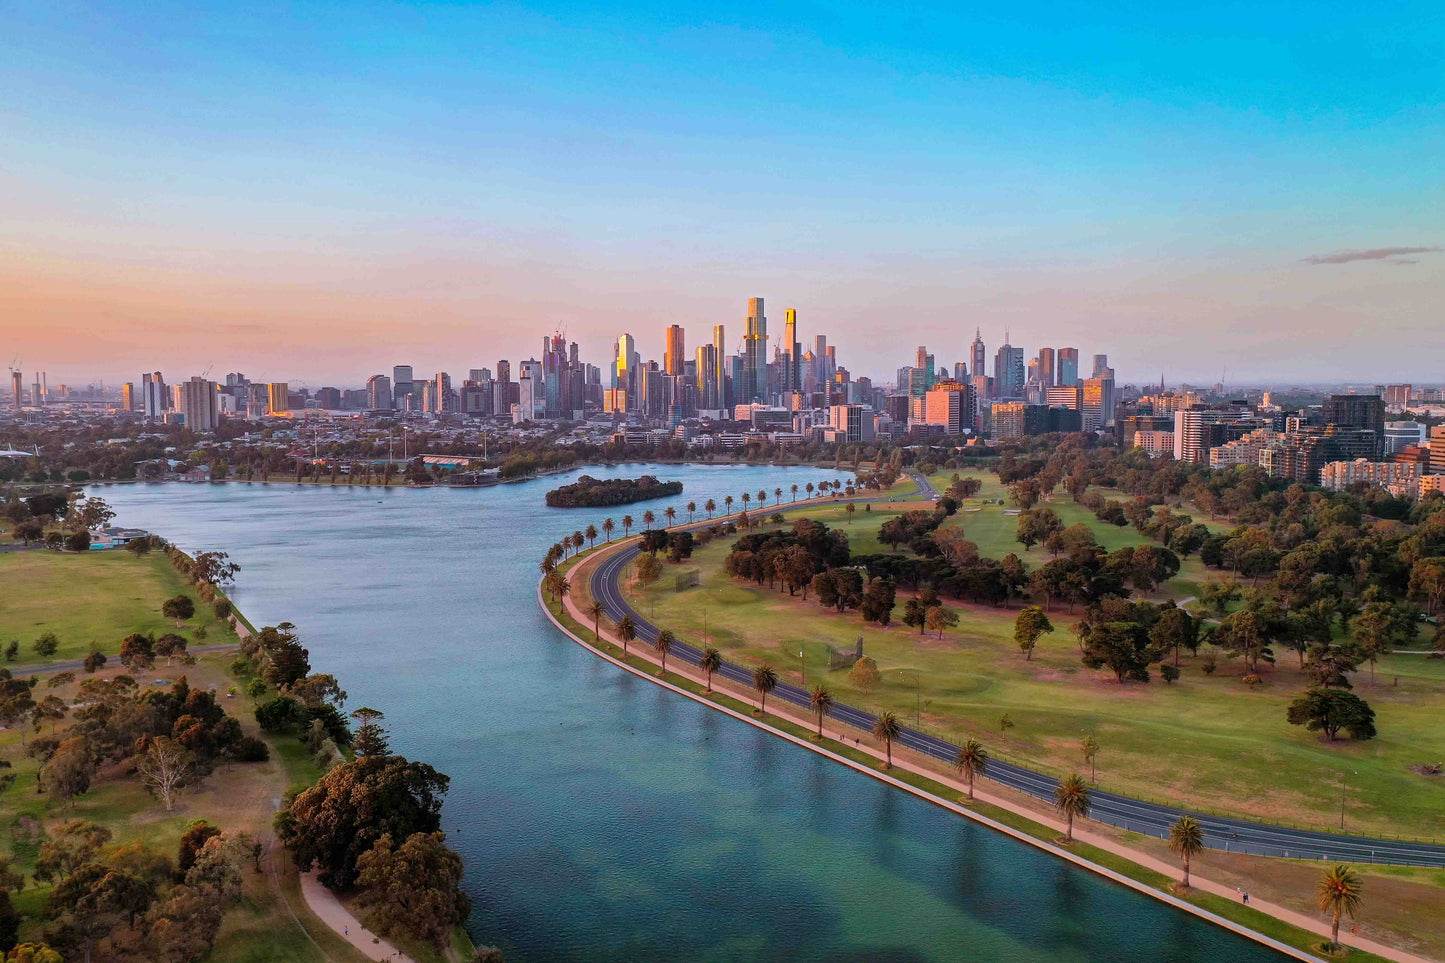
x=902, y=759
x=329, y=910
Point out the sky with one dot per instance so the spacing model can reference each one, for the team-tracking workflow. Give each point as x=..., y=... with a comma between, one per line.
x=313, y=192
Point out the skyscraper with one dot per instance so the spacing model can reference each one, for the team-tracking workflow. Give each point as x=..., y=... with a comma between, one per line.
x=16, y=388
x=1101, y=365
x=793, y=378
x=674, y=353
x=1008, y=370
x=401, y=387
x=1068, y=373
x=278, y=396
x=720, y=356
x=1359, y=411
x=200, y=404
x=378, y=392
x=1046, y=367
x=978, y=361
x=127, y=396
x=154, y=398
x=625, y=376
x=755, y=353
x=707, y=383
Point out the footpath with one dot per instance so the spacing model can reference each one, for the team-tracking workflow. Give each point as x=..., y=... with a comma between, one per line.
x=902, y=759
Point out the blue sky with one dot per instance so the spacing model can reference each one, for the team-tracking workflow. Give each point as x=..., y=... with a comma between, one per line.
x=366, y=181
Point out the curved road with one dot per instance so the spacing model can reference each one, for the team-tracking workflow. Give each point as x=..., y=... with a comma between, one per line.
x=1233, y=835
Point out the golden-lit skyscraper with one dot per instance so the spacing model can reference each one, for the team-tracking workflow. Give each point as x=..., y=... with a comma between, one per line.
x=674, y=354
x=278, y=397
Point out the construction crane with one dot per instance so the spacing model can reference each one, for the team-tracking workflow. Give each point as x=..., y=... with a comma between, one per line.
x=207, y=372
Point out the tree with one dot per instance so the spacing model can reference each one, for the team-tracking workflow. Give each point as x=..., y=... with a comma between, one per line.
x=47, y=644
x=1028, y=627
x=591, y=534
x=1090, y=747
x=70, y=846
x=178, y=607
x=648, y=518
x=1175, y=629
x=27, y=532
x=691, y=511
x=1218, y=596
x=865, y=674
x=971, y=761
x=369, y=738
x=93, y=902
x=414, y=888
x=670, y=514
x=137, y=653
x=663, y=644
x=626, y=631
x=170, y=645
x=607, y=526
x=1122, y=646
x=353, y=805
x=765, y=680
x=1186, y=838
x=1340, y=891
x=94, y=661
x=887, y=727
x=710, y=661
x=1071, y=799
x=626, y=525
x=68, y=772
x=192, y=842
x=165, y=769
x=821, y=699
x=213, y=567
x=77, y=542
x=1331, y=710
x=709, y=506
x=51, y=708
x=649, y=568
x=940, y=617
x=848, y=510
x=1169, y=673
x=594, y=611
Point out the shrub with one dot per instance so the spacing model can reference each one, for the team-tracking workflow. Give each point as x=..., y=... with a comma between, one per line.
x=251, y=749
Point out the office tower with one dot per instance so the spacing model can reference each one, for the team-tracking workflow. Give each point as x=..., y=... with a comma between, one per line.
x=1098, y=403
x=1068, y=366
x=1065, y=396
x=920, y=379
x=504, y=371
x=443, y=399
x=479, y=374
x=707, y=384
x=127, y=396
x=673, y=352
x=1101, y=365
x=960, y=371
x=794, y=379
x=200, y=404
x=278, y=395
x=378, y=392
x=16, y=388
x=951, y=404
x=402, y=388
x=1046, y=367
x=978, y=361
x=720, y=358
x=755, y=354
x=1008, y=370
x=153, y=396
x=1359, y=411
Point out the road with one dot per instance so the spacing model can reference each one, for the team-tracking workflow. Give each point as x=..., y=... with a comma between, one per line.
x=926, y=491
x=1233, y=835
x=111, y=661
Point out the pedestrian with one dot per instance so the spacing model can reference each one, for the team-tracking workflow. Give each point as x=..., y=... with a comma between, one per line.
x=1246, y=899
x=346, y=931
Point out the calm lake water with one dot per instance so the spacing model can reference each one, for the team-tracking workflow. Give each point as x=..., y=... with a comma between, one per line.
x=600, y=817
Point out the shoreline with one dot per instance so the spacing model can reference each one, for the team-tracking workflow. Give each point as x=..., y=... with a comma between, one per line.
x=1147, y=863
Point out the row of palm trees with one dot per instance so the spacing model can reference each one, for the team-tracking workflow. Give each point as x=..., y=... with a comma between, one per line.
x=1340, y=888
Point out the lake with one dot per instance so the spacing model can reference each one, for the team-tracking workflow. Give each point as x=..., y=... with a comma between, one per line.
x=601, y=817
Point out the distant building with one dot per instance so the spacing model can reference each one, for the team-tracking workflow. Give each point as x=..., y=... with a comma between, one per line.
x=200, y=404
x=278, y=398
x=851, y=423
x=154, y=397
x=378, y=393
x=1437, y=450
x=1068, y=365
x=1155, y=442
x=1015, y=419
x=1340, y=475
x=953, y=405
x=127, y=396
x=1359, y=411
x=1400, y=435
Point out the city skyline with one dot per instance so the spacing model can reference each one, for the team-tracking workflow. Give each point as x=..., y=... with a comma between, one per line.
x=257, y=190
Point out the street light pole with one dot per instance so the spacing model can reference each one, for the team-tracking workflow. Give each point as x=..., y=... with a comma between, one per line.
x=804, y=663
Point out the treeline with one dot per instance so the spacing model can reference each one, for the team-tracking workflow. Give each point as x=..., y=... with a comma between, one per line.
x=589, y=492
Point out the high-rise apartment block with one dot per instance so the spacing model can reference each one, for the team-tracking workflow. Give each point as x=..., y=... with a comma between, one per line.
x=200, y=404
x=674, y=353
x=1359, y=411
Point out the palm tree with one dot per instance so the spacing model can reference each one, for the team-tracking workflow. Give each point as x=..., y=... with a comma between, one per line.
x=728, y=501
x=691, y=510
x=762, y=498
x=607, y=526
x=595, y=610
x=591, y=535
x=777, y=496
x=1340, y=890
x=577, y=539
x=887, y=727
x=747, y=497
x=711, y=507
x=626, y=631
x=626, y=525
x=795, y=493
x=669, y=513
x=1186, y=837
x=710, y=662
x=663, y=645
x=648, y=518
x=809, y=489
x=972, y=760
x=1071, y=798
x=849, y=509
x=765, y=680
x=821, y=700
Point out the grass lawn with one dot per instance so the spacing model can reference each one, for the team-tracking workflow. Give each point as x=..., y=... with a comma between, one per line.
x=106, y=596
x=1207, y=741
x=93, y=599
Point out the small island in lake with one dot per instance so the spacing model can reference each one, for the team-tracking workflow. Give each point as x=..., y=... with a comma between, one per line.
x=589, y=492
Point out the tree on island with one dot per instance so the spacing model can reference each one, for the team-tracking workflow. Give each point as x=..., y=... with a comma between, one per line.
x=971, y=761
x=765, y=680
x=1186, y=839
x=887, y=727
x=1071, y=799
x=821, y=700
